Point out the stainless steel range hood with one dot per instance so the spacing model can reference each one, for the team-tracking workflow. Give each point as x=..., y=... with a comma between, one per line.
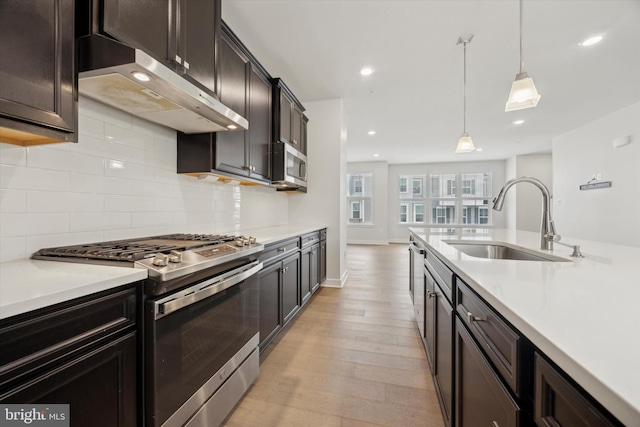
x=106, y=74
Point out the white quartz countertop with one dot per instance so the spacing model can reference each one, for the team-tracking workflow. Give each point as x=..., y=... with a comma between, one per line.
x=27, y=285
x=267, y=235
x=581, y=314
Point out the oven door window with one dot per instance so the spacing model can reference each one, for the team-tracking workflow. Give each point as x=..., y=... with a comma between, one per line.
x=192, y=344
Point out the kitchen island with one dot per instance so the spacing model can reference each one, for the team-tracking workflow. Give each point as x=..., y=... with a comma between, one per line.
x=574, y=312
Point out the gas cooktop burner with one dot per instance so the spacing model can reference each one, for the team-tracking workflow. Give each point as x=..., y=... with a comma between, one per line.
x=166, y=257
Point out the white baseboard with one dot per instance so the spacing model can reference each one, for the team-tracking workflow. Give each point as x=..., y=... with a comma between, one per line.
x=367, y=242
x=335, y=283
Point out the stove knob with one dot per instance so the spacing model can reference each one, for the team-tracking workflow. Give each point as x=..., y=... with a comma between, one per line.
x=252, y=240
x=160, y=260
x=175, y=256
x=240, y=242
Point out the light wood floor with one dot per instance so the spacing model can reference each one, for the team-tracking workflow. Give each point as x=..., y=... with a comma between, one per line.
x=351, y=358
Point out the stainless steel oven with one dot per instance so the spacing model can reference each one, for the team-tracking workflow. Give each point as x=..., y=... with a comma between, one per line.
x=289, y=168
x=202, y=342
x=200, y=322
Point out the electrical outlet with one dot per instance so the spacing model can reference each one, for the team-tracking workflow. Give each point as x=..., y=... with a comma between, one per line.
x=598, y=176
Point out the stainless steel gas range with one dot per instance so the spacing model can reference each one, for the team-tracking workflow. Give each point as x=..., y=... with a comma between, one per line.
x=200, y=321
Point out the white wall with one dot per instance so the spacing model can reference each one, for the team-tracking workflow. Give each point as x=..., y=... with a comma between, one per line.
x=398, y=232
x=509, y=207
x=606, y=215
x=325, y=202
x=525, y=204
x=118, y=181
x=376, y=233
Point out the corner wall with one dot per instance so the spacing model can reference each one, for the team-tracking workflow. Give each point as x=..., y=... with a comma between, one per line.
x=325, y=202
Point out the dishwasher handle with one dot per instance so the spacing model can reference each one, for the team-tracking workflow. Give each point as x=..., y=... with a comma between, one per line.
x=204, y=290
x=416, y=248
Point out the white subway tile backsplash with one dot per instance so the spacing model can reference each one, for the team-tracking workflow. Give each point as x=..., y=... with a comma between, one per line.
x=13, y=200
x=89, y=126
x=99, y=221
x=32, y=224
x=89, y=107
x=115, y=203
x=48, y=158
x=152, y=129
x=13, y=155
x=20, y=177
x=12, y=248
x=106, y=189
x=126, y=136
x=151, y=219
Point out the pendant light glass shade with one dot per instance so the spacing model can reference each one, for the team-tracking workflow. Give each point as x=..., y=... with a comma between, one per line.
x=465, y=143
x=523, y=92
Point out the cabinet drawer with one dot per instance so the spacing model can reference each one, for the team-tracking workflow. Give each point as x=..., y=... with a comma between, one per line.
x=558, y=403
x=276, y=250
x=502, y=345
x=440, y=273
x=481, y=398
x=57, y=332
x=309, y=239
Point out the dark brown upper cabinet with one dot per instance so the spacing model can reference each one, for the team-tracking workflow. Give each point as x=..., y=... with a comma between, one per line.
x=182, y=34
x=38, y=88
x=289, y=122
x=245, y=87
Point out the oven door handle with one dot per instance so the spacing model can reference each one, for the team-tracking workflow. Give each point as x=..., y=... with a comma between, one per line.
x=203, y=290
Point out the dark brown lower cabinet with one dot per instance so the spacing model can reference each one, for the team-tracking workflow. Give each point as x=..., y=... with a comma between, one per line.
x=443, y=354
x=290, y=288
x=82, y=353
x=309, y=279
x=270, y=306
x=481, y=398
x=322, y=260
x=558, y=403
x=99, y=387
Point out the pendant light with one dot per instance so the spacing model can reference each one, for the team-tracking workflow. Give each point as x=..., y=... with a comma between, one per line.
x=523, y=92
x=465, y=143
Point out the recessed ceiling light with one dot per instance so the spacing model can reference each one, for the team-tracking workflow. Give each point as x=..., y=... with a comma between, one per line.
x=366, y=71
x=372, y=132
x=591, y=41
x=376, y=155
x=143, y=77
x=518, y=122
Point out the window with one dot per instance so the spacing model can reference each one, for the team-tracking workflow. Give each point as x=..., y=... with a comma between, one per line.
x=403, y=185
x=412, y=199
x=465, y=194
x=418, y=212
x=360, y=195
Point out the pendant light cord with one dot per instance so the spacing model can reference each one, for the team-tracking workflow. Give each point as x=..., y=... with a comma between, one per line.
x=521, y=42
x=464, y=102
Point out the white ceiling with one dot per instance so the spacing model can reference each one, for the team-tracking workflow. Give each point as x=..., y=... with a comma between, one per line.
x=413, y=100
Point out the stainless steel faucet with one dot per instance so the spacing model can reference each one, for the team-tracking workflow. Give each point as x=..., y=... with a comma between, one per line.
x=547, y=228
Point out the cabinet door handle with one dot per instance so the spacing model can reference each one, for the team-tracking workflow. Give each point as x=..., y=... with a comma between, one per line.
x=294, y=141
x=282, y=249
x=186, y=65
x=471, y=318
x=432, y=294
x=178, y=59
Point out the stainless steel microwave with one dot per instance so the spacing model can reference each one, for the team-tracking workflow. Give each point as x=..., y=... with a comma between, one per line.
x=289, y=171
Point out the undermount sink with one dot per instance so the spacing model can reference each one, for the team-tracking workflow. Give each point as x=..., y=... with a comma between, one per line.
x=499, y=250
